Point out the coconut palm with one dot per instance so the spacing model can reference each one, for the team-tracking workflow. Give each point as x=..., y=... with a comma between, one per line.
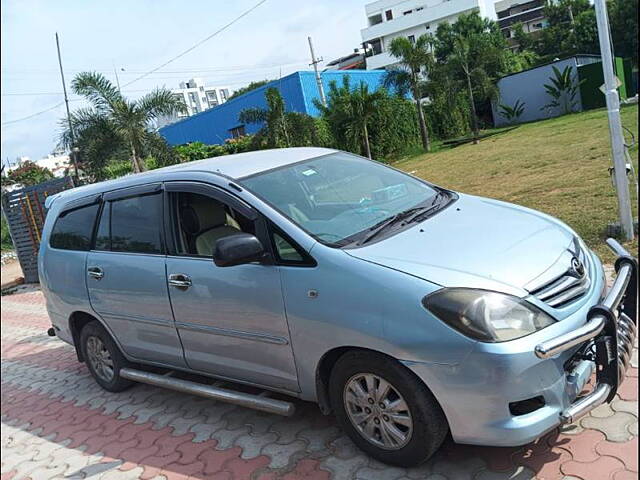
x=414, y=61
x=127, y=123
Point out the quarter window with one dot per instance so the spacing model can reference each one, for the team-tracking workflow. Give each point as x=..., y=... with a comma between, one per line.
x=286, y=251
x=73, y=229
x=136, y=223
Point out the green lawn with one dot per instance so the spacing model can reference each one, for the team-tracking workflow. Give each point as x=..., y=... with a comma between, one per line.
x=558, y=166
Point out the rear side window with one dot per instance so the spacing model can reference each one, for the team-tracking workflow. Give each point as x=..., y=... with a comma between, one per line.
x=136, y=224
x=73, y=229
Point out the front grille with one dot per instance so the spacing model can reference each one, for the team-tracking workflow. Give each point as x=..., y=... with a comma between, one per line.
x=569, y=285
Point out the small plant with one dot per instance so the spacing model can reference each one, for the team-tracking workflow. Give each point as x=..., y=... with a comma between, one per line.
x=563, y=90
x=512, y=114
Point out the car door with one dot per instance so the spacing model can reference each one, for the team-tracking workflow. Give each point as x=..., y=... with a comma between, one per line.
x=126, y=275
x=231, y=320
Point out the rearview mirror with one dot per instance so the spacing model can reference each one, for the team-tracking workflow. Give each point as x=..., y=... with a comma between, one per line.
x=237, y=249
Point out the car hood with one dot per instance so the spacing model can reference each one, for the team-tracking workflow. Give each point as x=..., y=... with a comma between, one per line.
x=476, y=243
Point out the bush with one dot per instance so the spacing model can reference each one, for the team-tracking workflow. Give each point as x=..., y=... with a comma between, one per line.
x=7, y=244
x=199, y=151
x=394, y=128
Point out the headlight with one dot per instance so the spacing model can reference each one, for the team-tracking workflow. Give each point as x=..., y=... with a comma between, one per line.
x=486, y=316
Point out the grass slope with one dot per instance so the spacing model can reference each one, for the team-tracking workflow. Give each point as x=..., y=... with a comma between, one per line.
x=558, y=166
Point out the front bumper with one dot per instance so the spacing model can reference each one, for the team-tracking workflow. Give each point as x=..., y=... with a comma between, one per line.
x=612, y=326
x=553, y=363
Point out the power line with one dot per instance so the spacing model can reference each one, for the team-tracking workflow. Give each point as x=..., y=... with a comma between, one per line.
x=193, y=47
x=228, y=68
x=34, y=114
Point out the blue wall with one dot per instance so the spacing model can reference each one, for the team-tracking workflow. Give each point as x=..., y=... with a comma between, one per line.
x=298, y=91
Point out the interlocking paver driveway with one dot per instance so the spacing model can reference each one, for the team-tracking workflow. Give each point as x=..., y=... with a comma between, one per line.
x=57, y=423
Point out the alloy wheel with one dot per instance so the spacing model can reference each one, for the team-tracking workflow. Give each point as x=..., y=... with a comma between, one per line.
x=100, y=358
x=378, y=411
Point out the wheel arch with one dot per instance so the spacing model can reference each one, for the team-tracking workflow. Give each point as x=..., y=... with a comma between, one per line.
x=325, y=367
x=77, y=321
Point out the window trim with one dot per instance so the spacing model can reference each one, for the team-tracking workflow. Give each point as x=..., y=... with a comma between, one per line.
x=94, y=237
x=137, y=191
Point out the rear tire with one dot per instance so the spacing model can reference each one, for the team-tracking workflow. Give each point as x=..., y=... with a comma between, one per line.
x=103, y=357
x=385, y=409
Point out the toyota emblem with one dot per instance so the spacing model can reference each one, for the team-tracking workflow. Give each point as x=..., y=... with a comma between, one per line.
x=577, y=267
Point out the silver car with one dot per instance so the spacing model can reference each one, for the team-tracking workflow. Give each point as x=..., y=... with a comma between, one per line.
x=406, y=309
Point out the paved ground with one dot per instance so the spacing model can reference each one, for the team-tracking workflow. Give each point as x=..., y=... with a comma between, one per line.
x=57, y=423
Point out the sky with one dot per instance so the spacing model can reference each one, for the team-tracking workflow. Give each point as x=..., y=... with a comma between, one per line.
x=136, y=36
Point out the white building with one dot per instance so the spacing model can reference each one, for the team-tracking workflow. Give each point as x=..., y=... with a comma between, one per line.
x=57, y=162
x=388, y=19
x=197, y=98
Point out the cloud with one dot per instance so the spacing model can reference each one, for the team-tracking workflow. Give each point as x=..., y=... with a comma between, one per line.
x=140, y=35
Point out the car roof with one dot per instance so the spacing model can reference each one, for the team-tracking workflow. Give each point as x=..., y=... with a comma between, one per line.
x=234, y=166
x=242, y=165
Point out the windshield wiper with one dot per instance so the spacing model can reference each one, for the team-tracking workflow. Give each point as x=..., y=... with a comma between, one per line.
x=407, y=216
x=376, y=229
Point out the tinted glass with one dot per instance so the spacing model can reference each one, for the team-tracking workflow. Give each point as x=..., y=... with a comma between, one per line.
x=73, y=229
x=337, y=196
x=103, y=241
x=286, y=251
x=136, y=223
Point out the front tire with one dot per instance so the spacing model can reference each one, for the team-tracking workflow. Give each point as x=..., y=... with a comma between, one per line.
x=385, y=409
x=103, y=357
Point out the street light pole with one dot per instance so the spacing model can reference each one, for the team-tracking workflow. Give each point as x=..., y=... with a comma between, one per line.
x=66, y=101
x=615, y=124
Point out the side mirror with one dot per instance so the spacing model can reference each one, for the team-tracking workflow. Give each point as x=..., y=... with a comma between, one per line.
x=237, y=249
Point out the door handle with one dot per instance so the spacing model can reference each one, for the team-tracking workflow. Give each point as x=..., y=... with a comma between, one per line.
x=179, y=280
x=95, y=272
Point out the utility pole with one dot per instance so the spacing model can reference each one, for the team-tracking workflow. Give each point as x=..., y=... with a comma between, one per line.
x=315, y=63
x=66, y=101
x=116, y=74
x=615, y=124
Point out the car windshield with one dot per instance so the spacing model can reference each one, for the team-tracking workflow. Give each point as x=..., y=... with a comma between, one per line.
x=340, y=197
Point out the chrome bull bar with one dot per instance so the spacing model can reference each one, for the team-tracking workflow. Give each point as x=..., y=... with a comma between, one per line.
x=612, y=325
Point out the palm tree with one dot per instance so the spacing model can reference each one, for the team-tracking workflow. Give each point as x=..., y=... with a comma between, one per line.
x=273, y=117
x=461, y=56
x=362, y=105
x=415, y=59
x=128, y=123
x=349, y=112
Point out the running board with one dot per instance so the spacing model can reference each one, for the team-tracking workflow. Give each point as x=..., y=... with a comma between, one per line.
x=256, y=402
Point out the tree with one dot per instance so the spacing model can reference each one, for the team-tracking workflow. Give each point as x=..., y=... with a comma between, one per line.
x=281, y=128
x=248, y=88
x=273, y=117
x=114, y=123
x=563, y=90
x=415, y=60
x=474, y=52
x=362, y=105
x=27, y=174
x=623, y=16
